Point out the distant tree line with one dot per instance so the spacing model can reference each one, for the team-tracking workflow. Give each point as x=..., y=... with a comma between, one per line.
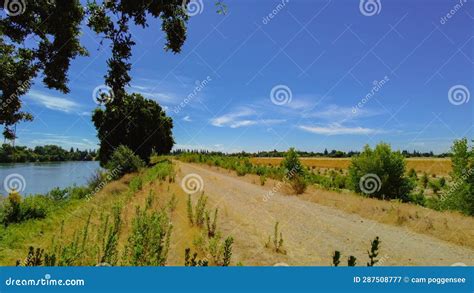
x=326, y=153
x=47, y=153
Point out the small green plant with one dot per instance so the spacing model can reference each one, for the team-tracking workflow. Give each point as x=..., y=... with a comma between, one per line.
x=351, y=261
x=424, y=180
x=374, y=252
x=136, y=184
x=227, y=255
x=263, y=179
x=189, y=205
x=37, y=258
x=149, y=199
x=200, y=211
x=211, y=226
x=149, y=240
x=109, y=250
x=336, y=258
x=277, y=241
x=192, y=261
x=172, y=203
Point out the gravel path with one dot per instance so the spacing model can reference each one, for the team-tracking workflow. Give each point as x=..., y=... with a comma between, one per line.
x=311, y=232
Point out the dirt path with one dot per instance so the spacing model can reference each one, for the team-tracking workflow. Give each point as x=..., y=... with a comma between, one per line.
x=311, y=232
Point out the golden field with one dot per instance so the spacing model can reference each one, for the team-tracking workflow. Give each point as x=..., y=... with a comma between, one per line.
x=438, y=166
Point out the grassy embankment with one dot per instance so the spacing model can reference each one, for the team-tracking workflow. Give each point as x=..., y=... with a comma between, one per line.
x=125, y=223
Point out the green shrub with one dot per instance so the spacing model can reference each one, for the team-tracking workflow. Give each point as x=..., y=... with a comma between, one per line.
x=123, y=161
x=136, y=184
x=34, y=207
x=380, y=173
x=10, y=210
x=58, y=194
x=149, y=240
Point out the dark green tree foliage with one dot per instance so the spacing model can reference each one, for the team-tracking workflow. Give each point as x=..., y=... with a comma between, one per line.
x=111, y=20
x=47, y=153
x=139, y=123
x=389, y=166
x=55, y=27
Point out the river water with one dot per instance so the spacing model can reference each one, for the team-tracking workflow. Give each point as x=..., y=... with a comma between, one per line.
x=35, y=178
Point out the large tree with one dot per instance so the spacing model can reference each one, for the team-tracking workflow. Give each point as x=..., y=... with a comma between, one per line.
x=36, y=37
x=141, y=125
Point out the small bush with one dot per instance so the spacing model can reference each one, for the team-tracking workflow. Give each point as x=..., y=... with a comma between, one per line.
x=123, y=161
x=384, y=165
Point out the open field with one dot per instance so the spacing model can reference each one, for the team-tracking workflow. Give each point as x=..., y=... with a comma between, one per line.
x=438, y=166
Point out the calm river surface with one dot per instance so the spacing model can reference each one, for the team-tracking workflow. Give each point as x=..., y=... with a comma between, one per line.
x=34, y=178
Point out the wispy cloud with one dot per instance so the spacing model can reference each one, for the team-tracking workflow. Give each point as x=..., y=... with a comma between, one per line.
x=187, y=118
x=336, y=113
x=151, y=93
x=337, y=129
x=53, y=103
x=242, y=118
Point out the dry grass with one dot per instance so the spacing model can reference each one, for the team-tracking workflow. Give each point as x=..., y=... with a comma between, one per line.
x=438, y=166
x=449, y=226
x=41, y=233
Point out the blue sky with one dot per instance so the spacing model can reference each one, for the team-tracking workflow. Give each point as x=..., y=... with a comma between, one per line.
x=314, y=75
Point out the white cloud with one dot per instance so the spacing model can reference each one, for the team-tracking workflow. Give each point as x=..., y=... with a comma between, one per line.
x=53, y=103
x=340, y=113
x=242, y=118
x=337, y=129
x=187, y=118
x=150, y=93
